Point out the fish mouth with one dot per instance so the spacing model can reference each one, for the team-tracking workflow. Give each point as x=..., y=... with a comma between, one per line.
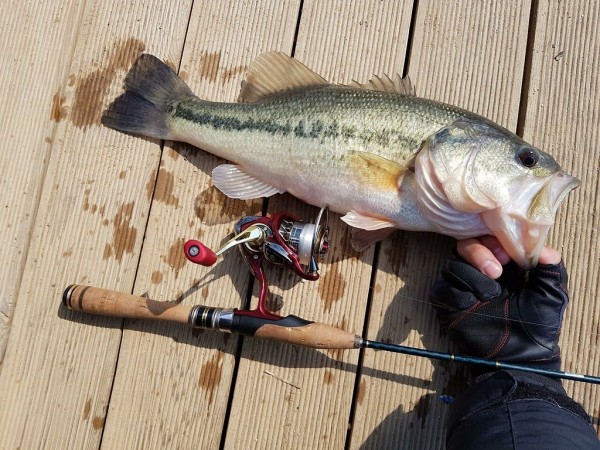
x=522, y=230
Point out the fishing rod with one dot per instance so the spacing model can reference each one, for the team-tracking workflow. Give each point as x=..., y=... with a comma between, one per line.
x=290, y=329
x=282, y=240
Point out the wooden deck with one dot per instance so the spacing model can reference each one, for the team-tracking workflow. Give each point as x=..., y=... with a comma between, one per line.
x=84, y=204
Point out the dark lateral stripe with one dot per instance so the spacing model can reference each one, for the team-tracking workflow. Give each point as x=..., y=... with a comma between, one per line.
x=309, y=129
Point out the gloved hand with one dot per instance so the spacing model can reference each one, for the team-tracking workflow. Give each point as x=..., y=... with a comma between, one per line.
x=516, y=318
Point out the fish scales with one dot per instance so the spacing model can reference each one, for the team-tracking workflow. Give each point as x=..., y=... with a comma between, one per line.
x=375, y=153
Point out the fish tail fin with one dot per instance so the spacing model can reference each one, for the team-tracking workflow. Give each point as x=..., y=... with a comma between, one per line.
x=151, y=90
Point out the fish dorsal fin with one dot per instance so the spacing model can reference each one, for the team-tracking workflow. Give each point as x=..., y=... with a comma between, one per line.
x=396, y=85
x=275, y=73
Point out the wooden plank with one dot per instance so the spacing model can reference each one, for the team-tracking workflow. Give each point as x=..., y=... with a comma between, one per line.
x=486, y=78
x=35, y=49
x=291, y=397
x=168, y=376
x=562, y=117
x=59, y=365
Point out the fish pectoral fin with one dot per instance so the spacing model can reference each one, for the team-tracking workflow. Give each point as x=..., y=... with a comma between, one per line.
x=396, y=85
x=232, y=181
x=375, y=170
x=363, y=239
x=276, y=73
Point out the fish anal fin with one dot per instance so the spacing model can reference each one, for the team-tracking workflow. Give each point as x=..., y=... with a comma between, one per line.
x=363, y=239
x=365, y=222
x=235, y=183
x=397, y=85
x=376, y=170
x=275, y=73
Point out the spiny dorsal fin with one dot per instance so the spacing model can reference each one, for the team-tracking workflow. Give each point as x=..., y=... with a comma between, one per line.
x=276, y=73
x=396, y=85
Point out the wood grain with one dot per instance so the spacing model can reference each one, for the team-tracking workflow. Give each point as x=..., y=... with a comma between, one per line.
x=59, y=365
x=36, y=47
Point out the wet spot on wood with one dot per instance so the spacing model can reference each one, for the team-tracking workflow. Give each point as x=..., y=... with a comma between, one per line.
x=422, y=408
x=183, y=75
x=58, y=108
x=331, y=286
x=105, y=222
x=86, y=199
x=107, y=251
x=204, y=292
x=228, y=74
x=362, y=390
x=122, y=174
x=328, y=377
x=173, y=154
x=89, y=100
x=86, y=409
x=346, y=245
x=175, y=258
x=163, y=192
x=209, y=65
x=156, y=277
x=71, y=79
x=67, y=253
x=171, y=64
x=98, y=422
x=124, y=234
x=48, y=140
x=213, y=207
x=210, y=375
x=397, y=252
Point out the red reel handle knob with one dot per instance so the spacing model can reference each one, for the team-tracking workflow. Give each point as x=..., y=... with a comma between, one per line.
x=198, y=253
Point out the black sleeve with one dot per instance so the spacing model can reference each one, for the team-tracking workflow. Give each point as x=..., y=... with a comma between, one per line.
x=515, y=410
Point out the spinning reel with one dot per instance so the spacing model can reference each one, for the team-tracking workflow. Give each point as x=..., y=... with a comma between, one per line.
x=282, y=240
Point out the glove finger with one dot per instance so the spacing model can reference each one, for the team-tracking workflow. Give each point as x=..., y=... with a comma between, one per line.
x=449, y=300
x=467, y=278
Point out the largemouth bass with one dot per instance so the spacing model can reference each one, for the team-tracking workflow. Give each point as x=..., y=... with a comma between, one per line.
x=375, y=153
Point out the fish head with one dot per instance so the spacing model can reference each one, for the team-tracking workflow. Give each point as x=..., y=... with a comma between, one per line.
x=513, y=187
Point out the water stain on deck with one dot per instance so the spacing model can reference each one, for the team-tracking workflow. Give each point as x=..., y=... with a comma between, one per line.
x=58, y=107
x=328, y=377
x=228, y=74
x=156, y=277
x=124, y=234
x=209, y=65
x=91, y=90
x=175, y=258
x=397, y=253
x=163, y=192
x=98, y=422
x=331, y=286
x=362, y=391
x=210, y=375
x=206, y=207
x=86, y=409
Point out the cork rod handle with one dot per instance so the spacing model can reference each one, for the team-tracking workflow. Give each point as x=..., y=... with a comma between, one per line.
x=119, y=304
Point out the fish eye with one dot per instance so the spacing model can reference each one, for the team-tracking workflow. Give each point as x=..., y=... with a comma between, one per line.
x=528, y=157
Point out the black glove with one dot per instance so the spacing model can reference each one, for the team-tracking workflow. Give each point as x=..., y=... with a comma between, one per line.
x=515, y=319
